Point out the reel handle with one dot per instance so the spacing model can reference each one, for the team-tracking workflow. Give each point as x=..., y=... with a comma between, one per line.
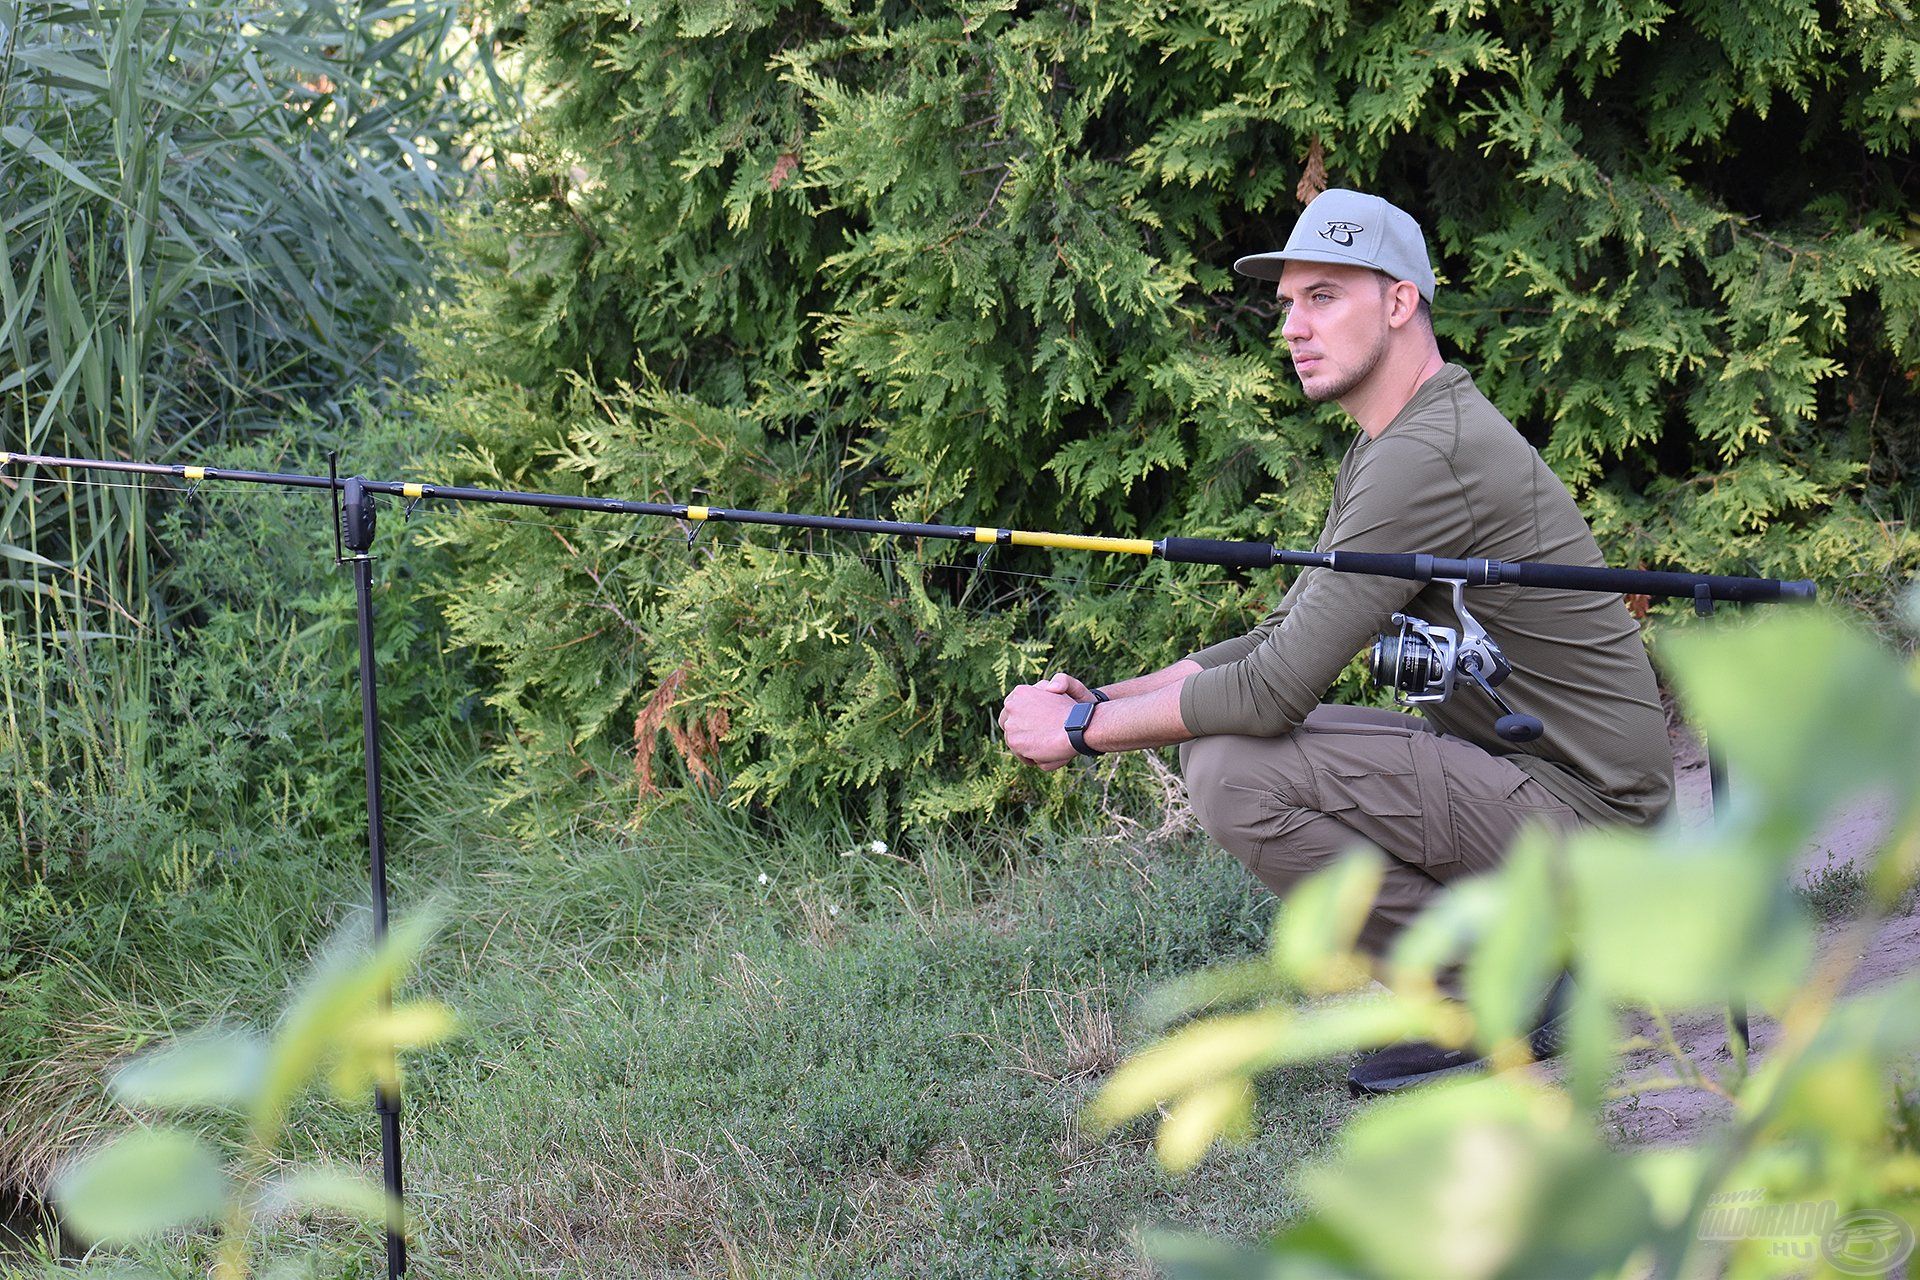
x=1511, y=726
x=1514, y=727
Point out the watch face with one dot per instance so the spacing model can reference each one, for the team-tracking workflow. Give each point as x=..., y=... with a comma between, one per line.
x=1082, y=712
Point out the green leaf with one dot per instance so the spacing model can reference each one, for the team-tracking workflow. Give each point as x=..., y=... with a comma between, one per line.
x=1223, y=1109
x=1491, y=1178
x=1242, y=1045
x=1842, y=1085
x=146, y=1182
x=25, y=140
x=1810, y=712
x=335, y=1189
x=1519, y=955
x=1180, y=1256
x=1319, y=923
x=1686, y=922
x=325, y=1019
x=212, y=1069
x=1194, y=1056
x=1444, y=933
x=1243, y=982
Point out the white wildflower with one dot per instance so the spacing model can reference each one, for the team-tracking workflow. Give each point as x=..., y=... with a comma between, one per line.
x=878, y=846
x=833, y=909
x=765, y=879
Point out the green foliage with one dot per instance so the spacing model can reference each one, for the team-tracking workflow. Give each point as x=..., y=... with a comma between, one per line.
x=211, y=217
x=254, y=703
x=245, y=822
x=152, y=1180
x=664, y=1059
x=1507, y=1174
x=969, y=263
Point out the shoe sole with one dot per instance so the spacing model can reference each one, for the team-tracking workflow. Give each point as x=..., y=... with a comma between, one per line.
x=1546, y=1042
x=1395, y=1084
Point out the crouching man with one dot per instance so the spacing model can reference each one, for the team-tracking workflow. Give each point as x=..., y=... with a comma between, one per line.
x=1286, y=783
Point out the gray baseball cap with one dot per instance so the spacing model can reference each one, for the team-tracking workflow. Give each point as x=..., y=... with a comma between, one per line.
x=1355, y=230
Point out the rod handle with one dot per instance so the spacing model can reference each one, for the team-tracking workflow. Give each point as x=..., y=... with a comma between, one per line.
x=1238, y=555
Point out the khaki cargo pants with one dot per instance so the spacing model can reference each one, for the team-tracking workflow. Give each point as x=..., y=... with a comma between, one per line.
x=1440, y=807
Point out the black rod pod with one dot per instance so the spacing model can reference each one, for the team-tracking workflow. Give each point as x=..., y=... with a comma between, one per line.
x=354, y=525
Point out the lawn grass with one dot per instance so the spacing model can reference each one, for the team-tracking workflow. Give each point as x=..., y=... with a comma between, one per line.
x=872, y=1064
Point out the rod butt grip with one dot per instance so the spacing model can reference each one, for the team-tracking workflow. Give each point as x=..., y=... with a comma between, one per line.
x=1238, y=555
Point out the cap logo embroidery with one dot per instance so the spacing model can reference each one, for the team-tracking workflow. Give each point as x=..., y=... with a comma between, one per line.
x=1342, y=233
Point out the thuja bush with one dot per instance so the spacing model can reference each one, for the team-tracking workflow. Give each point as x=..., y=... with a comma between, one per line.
x=970, y=262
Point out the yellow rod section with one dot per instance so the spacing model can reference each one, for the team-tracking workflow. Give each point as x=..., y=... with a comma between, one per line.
x=1082, y=542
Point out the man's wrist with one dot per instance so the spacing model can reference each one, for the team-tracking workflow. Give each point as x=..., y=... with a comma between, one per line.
x=1079, y=716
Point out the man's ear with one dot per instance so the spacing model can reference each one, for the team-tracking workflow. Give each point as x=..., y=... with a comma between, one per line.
x=1403, y=303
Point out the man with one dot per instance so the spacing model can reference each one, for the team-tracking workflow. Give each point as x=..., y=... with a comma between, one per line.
x=1285, y=783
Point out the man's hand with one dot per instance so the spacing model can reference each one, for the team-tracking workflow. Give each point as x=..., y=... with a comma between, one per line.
x=1061, y=682
x=1034, y=720
x=1144, y=712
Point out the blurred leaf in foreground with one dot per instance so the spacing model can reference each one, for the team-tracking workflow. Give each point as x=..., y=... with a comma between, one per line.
x=141, y=1184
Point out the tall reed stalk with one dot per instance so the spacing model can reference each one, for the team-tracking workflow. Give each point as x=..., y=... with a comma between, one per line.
x=212, y=216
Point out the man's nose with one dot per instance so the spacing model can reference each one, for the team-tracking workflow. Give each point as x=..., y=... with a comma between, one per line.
x=1293, y=325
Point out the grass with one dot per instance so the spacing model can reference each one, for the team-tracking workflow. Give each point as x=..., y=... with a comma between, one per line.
x=870, y=1065
x=1837, y=890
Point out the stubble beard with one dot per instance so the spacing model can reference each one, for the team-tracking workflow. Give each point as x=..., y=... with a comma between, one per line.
x=1354, y=376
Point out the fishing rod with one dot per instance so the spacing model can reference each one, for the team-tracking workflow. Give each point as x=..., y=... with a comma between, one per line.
x=1241, y=555
x=1420, y=664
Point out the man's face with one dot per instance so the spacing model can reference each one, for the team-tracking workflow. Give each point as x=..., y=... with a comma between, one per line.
x=1335, y=325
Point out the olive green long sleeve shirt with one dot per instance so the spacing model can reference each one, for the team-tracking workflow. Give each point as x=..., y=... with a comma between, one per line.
x=1450, y=476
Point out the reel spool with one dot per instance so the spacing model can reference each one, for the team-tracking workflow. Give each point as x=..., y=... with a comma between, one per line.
x=1422, y=663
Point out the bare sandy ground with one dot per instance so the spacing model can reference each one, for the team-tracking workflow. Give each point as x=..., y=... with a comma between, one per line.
x=1678, y=1116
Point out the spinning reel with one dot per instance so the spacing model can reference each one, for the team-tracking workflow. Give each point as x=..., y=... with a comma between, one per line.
x=1422, y=663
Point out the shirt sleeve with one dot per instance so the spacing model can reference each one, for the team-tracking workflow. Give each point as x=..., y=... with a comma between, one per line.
x=1404, y=498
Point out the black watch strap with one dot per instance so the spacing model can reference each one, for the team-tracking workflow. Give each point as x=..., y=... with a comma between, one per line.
x=1078, y=717
x=1099, y=696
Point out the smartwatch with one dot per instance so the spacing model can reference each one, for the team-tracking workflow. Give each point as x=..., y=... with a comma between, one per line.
x=1077, y=720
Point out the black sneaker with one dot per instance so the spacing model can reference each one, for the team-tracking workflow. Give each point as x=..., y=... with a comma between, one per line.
x=1401, y=1066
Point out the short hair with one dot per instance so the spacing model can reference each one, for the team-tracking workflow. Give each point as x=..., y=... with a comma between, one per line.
x=1423, y=313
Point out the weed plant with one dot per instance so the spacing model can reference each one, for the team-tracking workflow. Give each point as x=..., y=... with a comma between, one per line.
x=211, y=218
